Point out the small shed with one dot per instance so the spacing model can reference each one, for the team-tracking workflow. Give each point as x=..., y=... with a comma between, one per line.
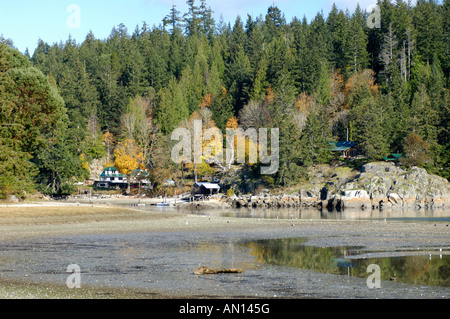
x=206, y=188
x=394, y=157
x=348, y=148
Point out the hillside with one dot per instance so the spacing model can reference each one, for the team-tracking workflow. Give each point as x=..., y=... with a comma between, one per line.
x=69, y=108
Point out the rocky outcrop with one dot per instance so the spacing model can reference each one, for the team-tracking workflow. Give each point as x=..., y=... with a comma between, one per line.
x=386, y=186
x=273, y=201
x=216, y=203
x=380, y=186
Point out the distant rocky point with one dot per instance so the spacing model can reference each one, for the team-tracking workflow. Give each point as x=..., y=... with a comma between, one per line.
x=378, y=186
x=386, y=186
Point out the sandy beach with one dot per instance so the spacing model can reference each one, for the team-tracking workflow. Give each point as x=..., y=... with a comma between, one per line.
x=39, y=220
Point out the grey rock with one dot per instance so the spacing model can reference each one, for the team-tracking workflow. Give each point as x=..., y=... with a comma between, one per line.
x=392, y=187
x=13, y=199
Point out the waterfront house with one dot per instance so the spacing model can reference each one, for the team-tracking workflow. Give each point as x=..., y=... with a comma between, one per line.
x=140, y=178
x=112, y=178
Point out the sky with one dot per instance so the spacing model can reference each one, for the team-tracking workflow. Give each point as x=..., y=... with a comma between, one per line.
x=27, y=21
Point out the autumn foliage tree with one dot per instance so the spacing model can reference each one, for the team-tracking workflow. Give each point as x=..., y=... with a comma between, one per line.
x=208, y=145
x=416, y=151
x=357, y=85
x=128, y=156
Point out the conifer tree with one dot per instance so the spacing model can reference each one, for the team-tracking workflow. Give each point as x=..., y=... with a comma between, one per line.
x=207, y=23
x=315, y=139
x=173, y=19
x=281, y=108
x=274, y=23
x=322, y=93
x=337, y=23
x=429, y=28
x=357, y=42
x=192, y=19
x=367, y=119
x=446, y=39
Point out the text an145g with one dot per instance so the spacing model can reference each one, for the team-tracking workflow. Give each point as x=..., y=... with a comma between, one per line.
x=246, y=308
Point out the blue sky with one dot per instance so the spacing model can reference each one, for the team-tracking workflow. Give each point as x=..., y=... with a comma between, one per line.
x=27, y=21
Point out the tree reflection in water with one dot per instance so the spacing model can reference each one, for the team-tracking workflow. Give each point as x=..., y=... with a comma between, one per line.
x=430, y=270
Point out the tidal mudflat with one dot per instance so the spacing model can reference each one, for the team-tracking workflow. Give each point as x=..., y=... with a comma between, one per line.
x=133, y=253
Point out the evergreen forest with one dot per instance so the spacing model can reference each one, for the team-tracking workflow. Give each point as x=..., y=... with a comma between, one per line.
x=68, y=108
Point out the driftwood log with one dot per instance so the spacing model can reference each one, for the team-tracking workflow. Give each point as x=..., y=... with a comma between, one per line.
x=203, y=270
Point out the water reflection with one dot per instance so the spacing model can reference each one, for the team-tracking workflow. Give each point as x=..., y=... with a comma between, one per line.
x=316, y=214
x=420, y=269
x=165, y=262
x=310, y=213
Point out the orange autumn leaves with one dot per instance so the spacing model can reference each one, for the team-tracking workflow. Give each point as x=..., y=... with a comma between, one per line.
x=341, y=91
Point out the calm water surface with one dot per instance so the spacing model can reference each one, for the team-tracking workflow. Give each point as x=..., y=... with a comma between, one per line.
x=315, y=214
x=275, y=264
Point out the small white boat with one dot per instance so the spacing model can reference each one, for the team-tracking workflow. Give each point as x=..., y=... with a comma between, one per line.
x=162, y=204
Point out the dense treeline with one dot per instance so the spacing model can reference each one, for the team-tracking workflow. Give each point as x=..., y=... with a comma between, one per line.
x=117, y=100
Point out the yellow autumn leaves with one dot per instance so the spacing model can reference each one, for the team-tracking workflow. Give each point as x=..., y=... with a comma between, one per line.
x=128, y=156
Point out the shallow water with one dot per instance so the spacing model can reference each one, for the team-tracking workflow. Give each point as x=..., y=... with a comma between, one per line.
x=403, y=265
x=275, y=264
x=439, y=216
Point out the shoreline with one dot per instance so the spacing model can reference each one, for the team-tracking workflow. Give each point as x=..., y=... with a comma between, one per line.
x=38, y=220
